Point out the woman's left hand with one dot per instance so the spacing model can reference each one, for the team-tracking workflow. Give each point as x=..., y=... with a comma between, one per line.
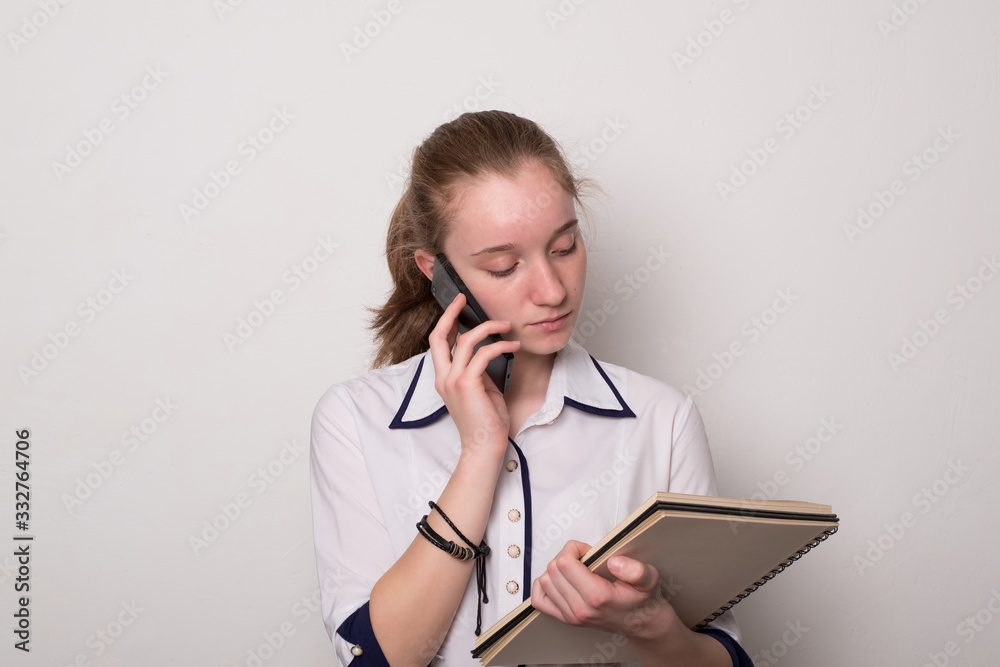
x=633, y=604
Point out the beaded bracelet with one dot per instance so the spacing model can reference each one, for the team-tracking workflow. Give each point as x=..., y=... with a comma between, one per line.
x=461, y=553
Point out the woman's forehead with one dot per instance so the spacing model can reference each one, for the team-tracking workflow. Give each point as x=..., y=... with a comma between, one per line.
x=495, y=206
x=500, y=199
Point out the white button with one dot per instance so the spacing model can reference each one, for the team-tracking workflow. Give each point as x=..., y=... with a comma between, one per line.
x=357, y=650
x=513, y=551
x=512, y=587
x=511, y=465
x=514, y=516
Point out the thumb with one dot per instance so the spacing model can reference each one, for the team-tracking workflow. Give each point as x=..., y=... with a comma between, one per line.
x=640, y=575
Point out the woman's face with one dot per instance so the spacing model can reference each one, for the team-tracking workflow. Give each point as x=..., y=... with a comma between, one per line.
x=517, y=246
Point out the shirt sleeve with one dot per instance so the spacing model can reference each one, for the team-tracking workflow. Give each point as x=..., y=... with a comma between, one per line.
x=692, y=471
x=736, y=652
x=352, y=544
x=691, y=467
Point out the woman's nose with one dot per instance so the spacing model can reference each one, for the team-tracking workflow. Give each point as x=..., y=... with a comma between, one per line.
x=547, y=285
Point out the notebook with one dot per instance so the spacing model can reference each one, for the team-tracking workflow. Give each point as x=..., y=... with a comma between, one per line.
x=710, y=552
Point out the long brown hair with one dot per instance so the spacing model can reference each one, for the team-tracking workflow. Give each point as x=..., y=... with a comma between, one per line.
x=471, y=146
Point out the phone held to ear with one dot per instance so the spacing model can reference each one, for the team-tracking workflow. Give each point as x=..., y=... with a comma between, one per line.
x=446, y=285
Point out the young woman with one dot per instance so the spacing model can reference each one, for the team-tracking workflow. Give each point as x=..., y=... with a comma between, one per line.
x=535, y=474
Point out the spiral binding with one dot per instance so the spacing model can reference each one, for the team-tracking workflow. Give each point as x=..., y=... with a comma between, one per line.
x=767, y=577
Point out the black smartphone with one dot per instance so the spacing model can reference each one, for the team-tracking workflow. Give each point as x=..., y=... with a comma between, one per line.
x=445, y=285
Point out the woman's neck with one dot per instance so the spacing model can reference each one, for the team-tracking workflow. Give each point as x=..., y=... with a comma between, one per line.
x=529, y=379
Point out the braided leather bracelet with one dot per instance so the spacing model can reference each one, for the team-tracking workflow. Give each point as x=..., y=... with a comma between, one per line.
x=462, y=553
x=459, y=552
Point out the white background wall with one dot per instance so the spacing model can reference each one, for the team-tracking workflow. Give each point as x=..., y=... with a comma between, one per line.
x=874, y=594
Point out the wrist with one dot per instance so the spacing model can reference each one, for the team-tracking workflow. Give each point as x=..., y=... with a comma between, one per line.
x=652, y=623
x=481, y=465
x=679, y=645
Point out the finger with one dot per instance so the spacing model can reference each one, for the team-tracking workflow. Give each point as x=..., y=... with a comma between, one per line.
x=466, y=356
x=566, y=569
x=542, y=602
x=583, y=591
x=591, y=586
x=467, y=342
x=639, y=575
x=443, y=335
x=553, y=600
x=576, y=547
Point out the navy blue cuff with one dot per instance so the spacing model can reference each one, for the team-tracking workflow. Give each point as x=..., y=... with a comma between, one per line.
x=357, y=629
x=736, y=652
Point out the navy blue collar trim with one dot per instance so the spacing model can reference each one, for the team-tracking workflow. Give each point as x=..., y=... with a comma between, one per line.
x=626, y=411
x=397, y=420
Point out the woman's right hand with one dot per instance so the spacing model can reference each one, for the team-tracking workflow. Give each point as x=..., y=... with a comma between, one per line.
x=473, y=400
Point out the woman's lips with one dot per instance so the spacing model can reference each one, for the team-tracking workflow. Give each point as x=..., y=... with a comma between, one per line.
x=551, y=324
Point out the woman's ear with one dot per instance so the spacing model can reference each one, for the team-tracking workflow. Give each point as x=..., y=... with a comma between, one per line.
x=425, y=261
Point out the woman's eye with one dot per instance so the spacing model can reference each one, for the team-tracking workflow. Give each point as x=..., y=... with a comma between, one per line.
x=501, y=274
x=569, y=249
x=508, y=271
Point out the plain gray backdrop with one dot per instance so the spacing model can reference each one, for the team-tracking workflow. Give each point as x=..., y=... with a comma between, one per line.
x=799, y=226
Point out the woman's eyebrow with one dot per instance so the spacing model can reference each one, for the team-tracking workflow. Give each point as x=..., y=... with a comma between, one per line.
x=510, y=246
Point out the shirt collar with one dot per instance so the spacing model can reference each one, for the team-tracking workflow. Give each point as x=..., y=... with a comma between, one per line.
x=577, y=380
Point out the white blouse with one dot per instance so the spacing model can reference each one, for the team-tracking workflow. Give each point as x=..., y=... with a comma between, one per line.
x=383, y=444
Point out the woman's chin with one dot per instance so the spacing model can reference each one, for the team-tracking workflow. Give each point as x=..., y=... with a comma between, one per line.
x=550, y=343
